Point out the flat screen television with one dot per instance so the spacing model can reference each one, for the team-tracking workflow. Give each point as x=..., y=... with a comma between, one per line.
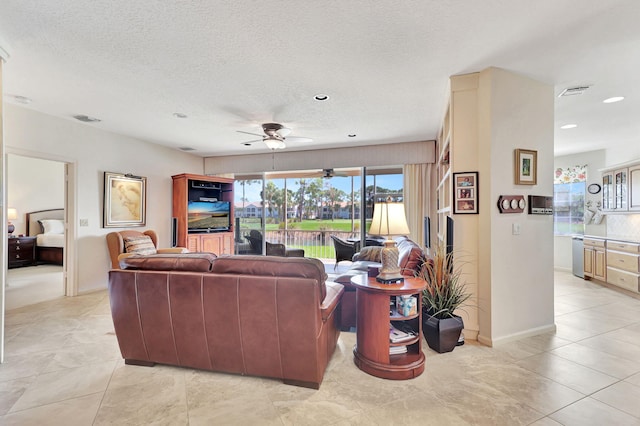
x=209, y=216
x=427, y=232
x=449, y=248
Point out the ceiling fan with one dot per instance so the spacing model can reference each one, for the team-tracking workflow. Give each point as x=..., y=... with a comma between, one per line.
x=326, y=173
x=274, y=136
x=329, y=173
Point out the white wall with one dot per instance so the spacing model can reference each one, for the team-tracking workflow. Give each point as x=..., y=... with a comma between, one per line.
x=516, y=271
x=33, y=184
x=95, y=151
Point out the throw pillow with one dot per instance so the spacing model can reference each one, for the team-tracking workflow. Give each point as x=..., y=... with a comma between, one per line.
x=52, y=226
x=139, y=245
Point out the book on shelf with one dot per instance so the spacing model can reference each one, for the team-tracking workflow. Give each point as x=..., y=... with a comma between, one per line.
x=396, y=336
x=395, y=350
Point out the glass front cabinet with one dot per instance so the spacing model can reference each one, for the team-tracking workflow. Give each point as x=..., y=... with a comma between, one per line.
x=615, y=185
x=607, y=191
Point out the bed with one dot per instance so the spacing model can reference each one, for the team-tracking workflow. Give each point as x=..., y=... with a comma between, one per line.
x=48, y=228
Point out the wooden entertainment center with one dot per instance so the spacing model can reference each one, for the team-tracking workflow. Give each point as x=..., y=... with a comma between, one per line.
x=193, y=188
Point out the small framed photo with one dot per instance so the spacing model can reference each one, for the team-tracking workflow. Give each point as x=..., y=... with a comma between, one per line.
x=526, y=166
x=465, y=193
x=124, y=200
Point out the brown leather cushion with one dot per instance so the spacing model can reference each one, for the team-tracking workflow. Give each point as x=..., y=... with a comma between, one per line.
x=193, y=262
x=411, y=256
x=304, y=267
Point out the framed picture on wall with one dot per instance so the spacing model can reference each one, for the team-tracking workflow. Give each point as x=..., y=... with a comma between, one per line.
x=124, y=200
x=526, y=166
x=465, y=193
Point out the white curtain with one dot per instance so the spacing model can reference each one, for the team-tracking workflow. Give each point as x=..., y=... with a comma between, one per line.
x=418, y=199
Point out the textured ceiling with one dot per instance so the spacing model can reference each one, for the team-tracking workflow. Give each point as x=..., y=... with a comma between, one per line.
x=232, y=65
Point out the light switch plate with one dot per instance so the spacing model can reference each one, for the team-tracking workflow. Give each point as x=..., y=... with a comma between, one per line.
x=515, y=229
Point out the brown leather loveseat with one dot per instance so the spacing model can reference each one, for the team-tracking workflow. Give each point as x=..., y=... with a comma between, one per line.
x=254, y=315
x=410, y=259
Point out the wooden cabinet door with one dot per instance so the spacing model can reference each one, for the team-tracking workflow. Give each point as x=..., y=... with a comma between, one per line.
x=588, y=261
x=607, y=191
x=212, y=244
x=600, y=265
x=621, y=187
x=634, y=188
x=193, y=243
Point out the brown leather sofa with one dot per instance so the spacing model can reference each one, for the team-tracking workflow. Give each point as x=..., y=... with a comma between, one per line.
x=410, y=260
x=250, y=315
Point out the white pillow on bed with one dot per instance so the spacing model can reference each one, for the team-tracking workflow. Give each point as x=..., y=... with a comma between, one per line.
x=52, y=226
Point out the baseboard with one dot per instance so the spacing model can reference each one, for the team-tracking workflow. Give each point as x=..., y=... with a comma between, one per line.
x=516, y=336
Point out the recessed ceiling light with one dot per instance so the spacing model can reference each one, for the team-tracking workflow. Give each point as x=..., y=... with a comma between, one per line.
x=86, y=118
x=352, y=135
x=186, y=148
x=179, y=115
x=613, y=99
x=568, y=126
x=321, y=97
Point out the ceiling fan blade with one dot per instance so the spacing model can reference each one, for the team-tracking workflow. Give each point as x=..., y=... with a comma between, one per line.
x=247, y=143
x=249, y=133
x=297, y=139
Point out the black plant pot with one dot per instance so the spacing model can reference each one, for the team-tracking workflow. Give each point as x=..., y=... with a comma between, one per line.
x=442, y=334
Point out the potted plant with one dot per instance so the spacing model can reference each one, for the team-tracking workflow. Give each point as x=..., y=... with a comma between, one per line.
x=444, y=293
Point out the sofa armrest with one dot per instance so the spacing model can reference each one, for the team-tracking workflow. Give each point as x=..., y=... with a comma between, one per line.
x=173, y=250
x=332, y=299
x=370, y=254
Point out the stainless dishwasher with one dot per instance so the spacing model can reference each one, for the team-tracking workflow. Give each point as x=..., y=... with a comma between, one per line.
x=577, y=251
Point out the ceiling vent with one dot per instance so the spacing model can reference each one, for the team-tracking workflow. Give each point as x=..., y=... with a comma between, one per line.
x=186, y=148
x=86, y=119
x=570, y=91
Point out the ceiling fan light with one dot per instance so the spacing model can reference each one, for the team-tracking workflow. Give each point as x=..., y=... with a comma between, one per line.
x=273, y=143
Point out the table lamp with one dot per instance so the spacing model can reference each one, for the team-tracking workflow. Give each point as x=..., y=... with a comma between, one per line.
x=389, y=220
x=12, y=214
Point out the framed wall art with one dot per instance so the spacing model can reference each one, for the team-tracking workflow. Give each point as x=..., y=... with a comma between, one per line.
x=526, y=166
x=124, y=200
x=465, y=193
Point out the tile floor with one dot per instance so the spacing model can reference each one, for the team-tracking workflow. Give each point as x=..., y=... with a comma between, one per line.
x=63, y=368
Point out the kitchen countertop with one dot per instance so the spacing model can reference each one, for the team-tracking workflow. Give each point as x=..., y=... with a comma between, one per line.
x=622, y=238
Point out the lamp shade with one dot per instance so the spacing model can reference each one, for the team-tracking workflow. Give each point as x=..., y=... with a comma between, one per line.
x=12, y=213
x=389, y=219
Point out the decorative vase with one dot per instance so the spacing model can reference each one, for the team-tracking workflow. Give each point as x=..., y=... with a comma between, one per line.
x=441, y=334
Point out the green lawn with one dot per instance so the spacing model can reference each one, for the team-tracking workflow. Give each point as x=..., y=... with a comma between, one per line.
x=318, y=225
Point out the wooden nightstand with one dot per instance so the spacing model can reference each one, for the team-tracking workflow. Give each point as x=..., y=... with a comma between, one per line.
x=22, y=251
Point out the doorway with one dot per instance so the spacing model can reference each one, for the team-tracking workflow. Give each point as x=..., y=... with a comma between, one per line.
x=35, y=184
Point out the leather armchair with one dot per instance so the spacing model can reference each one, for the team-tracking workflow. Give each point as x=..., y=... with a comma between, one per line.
x=116, y=245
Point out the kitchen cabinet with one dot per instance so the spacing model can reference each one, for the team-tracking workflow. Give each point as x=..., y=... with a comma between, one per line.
x=634, y=188
x=623, y=264
x=615, y=188
x=595, y=265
